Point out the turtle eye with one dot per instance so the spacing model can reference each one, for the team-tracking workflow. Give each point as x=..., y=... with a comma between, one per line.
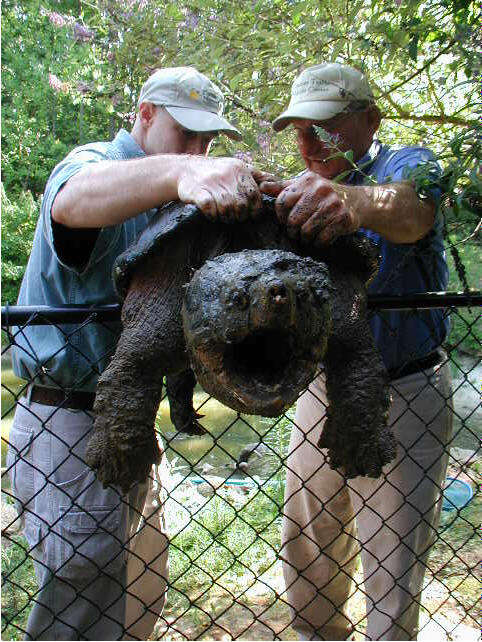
x=240, y=299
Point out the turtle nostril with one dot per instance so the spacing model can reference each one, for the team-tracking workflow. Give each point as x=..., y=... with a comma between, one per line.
x=278, y=293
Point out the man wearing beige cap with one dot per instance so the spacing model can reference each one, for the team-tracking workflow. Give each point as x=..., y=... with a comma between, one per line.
x=100, y=557
x=391, y=521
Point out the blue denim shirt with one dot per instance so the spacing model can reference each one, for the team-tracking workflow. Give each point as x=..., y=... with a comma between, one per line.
x=403, y=336
x=72, y=356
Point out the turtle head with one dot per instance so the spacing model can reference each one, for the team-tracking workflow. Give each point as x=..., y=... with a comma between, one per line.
x=256, y=325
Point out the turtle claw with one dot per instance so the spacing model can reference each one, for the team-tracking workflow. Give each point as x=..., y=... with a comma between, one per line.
x=120, y=463
x=364, y=456
x=193, y=427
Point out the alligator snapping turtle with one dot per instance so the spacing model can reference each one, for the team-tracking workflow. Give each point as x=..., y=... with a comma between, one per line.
x=252, y=312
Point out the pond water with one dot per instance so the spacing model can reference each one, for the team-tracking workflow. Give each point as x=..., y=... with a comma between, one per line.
x=228, y=433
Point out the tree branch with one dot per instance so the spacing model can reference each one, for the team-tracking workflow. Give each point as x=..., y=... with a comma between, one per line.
x=237, y=102
x=431, y=118
x=419, y=71
x=441, y=119
x=435, y=95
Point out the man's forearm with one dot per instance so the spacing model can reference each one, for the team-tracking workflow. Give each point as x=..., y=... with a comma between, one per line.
x=110, y=192
x=393, y=210
x=319, y=210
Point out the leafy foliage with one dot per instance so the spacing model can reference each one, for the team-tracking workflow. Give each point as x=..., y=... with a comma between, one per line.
x=46, y=110
x=19, y=586
x=72, y=71
x=19, y=218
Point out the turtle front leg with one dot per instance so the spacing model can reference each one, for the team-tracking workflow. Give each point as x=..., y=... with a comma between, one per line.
x=356, y=432
x=123, y=445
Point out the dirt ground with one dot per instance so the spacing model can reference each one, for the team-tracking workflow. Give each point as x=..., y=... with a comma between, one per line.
x=264, y=615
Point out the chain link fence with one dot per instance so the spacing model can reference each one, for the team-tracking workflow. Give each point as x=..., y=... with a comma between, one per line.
x=224, y=509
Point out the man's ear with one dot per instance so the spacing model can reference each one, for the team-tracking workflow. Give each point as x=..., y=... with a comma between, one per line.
x=147, y=112
x=374, y=118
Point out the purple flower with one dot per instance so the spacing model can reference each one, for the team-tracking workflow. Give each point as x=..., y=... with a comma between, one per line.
x=191, y=20
x=81, y=33
x=246, y=157
x=83, y=87
x=264, y=141
x=116, y=99
x=57, y=19
x=57, y=84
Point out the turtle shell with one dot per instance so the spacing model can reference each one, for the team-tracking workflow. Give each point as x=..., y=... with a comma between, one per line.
x=170, y=220
x=351, y=253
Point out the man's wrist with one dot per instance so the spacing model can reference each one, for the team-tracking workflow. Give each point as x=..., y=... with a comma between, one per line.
x=172, y=169
x=354, y=200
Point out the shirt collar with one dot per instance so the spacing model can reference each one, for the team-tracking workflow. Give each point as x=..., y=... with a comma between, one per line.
x=128, y=145
x=365, y=163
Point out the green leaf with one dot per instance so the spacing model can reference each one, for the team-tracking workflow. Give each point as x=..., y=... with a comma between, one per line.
x=413, y=48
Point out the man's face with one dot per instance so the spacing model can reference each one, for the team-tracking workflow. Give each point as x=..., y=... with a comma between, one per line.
x=166, y=136
x=342, y=133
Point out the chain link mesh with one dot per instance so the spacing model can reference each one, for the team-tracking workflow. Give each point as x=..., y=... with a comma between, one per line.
x=222, y=497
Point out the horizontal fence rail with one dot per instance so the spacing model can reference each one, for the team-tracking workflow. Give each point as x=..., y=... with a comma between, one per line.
x=265, y=541
x=37, y=315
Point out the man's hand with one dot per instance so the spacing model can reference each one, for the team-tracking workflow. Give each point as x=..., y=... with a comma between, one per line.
x=224, y=189
x=110, y=192
x=312, y=208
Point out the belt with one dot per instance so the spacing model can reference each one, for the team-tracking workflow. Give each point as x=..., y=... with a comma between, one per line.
x=75, y=399
x=412, y=367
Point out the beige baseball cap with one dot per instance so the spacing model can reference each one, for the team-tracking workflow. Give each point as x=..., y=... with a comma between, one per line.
x=190, y=98
x=323, y=91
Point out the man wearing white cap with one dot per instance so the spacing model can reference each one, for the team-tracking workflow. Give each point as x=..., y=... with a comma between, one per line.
x=392, y=521
x=100, y=557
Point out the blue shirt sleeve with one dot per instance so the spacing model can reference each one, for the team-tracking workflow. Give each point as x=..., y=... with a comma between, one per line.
x=417, y=164
x=76, y=161
x=403, y=336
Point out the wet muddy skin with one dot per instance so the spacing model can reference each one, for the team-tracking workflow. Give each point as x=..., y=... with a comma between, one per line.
x=249, y=313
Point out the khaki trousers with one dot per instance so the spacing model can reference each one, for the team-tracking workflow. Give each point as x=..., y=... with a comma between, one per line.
x=147, y=563
x=391, y=521
x=100, y=557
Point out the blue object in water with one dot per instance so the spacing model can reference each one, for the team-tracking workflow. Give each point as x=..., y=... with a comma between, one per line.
x=456, y=494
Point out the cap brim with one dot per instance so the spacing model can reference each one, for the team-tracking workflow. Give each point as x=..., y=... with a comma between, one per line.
x=310, y=110
x=198, y=120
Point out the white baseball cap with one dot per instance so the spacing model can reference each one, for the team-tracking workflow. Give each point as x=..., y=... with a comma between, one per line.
x=323, y=91
x=190, y=98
